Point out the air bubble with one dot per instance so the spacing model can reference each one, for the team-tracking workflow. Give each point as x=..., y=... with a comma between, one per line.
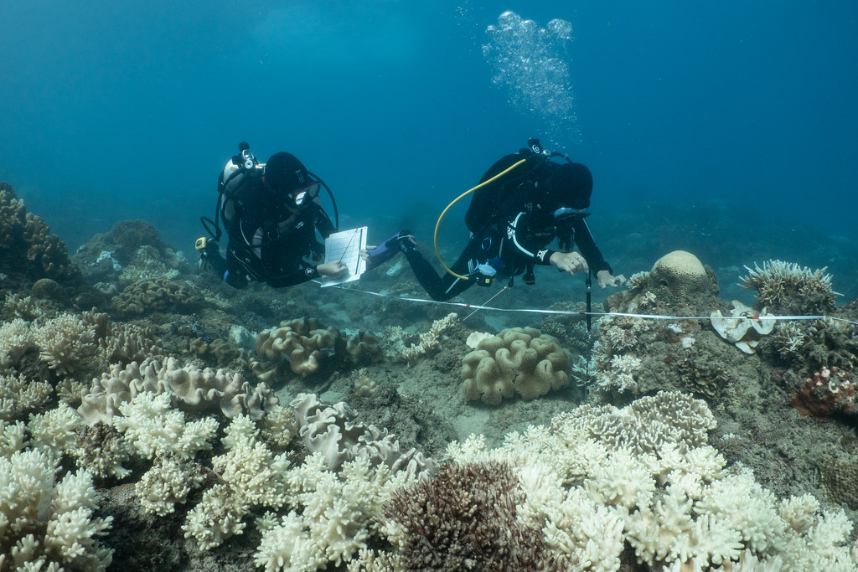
x=531, y=64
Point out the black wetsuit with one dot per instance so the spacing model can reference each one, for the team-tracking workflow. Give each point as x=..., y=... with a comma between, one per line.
x=269, y=243
x=515, y=235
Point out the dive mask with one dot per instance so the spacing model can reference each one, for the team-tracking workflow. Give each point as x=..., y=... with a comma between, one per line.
x=305, y=195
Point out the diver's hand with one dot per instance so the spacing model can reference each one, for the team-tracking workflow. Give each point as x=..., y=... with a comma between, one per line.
x=570, y=262
x=333, y=270
x=605, y=279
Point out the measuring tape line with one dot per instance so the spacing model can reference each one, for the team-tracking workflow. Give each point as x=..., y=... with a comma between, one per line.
x=568, y=313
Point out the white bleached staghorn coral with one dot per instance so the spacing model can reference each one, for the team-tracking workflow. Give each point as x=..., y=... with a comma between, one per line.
x=338, y=516
x=789, y=287
x=153, y=428
x=249, y=475
x=15, y=339
x=431, y=340
x=46, y=525
x=66, y=344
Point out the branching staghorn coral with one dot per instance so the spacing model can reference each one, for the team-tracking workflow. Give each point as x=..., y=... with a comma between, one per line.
x=464, y=518
x=789, y=288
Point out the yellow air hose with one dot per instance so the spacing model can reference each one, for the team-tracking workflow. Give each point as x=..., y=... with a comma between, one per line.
x=456, y=200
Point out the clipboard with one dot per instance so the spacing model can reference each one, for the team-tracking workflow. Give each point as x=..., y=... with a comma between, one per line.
x=345, y=247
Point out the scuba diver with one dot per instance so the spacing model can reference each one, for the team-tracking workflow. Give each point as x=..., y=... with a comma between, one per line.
x=523, y=202
x=271, y=213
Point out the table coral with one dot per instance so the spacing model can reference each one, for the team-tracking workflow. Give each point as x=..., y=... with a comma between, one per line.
x=517, y=360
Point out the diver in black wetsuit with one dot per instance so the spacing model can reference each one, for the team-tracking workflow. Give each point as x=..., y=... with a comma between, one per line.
x=512, y=222
x=271, y=213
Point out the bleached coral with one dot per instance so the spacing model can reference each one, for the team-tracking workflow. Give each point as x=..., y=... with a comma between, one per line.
x=54, y=430
x=250, y=476
x=279, y=426
x=744, y=327
x=12, y=438
x=66, y=344
x=791, y=288
x=644, y=476
x=337, y=518
x=167, y=482
x=620, y=376
x=153, y=428
x=48, y=526
x=331, y=431
x=431, y=340
x=102, y=450
x=18, y=396
x=15, y=339
x=638, y=280
x=196, y=388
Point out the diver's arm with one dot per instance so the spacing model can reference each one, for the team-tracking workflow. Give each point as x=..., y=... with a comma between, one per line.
x=323, y=222
x=587, y=246
x=307, y=273
x=533, y=252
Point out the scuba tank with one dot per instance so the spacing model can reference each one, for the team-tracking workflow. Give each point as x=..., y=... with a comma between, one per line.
x=238, y=175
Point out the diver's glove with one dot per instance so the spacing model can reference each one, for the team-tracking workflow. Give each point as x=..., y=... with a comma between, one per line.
x=377, y=255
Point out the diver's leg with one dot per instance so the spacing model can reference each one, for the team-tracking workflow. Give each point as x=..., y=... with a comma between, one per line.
x=440, y=287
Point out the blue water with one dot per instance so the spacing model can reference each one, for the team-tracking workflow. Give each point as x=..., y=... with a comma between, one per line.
x=112, y=110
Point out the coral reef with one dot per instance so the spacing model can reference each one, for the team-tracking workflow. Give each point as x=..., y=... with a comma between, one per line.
x=27, y=247
x=155, y=295
x=517, y=360
x=645, y=476
x=790, y=289
x=337, y=516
